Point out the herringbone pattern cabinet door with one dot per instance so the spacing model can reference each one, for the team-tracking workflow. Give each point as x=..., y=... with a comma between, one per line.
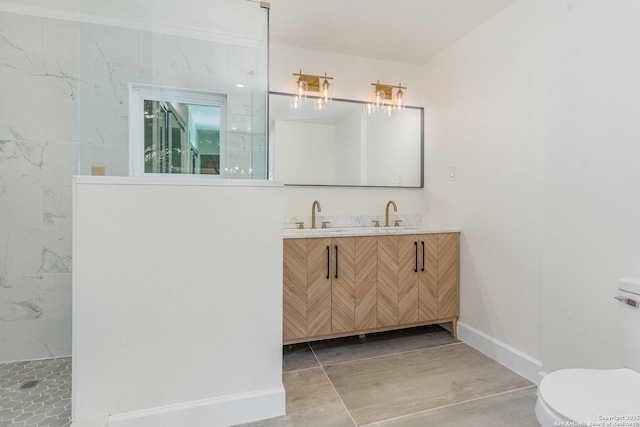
x=294, y=307
x=343, y=292
x=318, y=287
x=409, y=250
x=448, y=275
x=366, y=282
x=388, y=265
x=429, y=278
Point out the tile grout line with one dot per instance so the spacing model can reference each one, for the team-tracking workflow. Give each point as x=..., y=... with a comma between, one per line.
x=390, y=354
x=305, y=369
x=333, y=387
x=447, y=406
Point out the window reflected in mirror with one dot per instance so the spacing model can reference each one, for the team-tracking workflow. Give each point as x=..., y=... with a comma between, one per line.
x=176, y=131
x=181, y=138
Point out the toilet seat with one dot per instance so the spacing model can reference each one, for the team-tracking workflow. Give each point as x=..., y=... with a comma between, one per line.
x=590, y=395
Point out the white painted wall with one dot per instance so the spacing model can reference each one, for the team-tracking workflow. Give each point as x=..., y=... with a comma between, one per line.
x=538, y=110
x=484, y=114
x=591, y=178
x=177, y=316
x=352, y=80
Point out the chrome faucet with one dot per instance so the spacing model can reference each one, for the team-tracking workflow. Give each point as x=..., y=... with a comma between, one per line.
x=386, y=216
x=313, y=212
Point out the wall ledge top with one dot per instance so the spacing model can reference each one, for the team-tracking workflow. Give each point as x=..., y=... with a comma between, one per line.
x=184, y=181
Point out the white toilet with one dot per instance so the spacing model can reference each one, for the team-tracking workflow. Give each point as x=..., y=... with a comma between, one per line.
x=597, y=397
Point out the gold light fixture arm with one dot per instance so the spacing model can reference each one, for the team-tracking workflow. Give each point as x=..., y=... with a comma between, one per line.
x=313, y=81
x=388, y=89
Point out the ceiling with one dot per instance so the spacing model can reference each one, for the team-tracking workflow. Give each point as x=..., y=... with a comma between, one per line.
x=409, y=31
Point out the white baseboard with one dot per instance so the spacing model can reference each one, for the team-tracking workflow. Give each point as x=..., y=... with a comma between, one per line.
x=502, y=353
x=95, y=422
x=218, y=412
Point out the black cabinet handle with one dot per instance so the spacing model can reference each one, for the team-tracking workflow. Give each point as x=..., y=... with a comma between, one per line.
x=328, y=261
x=423, y=256
x=336, y=261
x=416, y=268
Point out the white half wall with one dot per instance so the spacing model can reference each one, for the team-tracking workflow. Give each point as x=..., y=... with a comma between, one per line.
x=177, y=301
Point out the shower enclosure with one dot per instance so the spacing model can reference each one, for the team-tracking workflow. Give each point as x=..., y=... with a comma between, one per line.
x=173, y=88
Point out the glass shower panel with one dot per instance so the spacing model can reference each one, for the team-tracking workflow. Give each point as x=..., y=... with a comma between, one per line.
x=198, y=49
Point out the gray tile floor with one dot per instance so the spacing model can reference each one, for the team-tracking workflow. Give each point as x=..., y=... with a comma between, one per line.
x=36, y=393
x=414, y=377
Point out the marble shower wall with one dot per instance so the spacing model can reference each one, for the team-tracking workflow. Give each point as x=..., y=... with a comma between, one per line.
x=47, y=66
x=38, y=144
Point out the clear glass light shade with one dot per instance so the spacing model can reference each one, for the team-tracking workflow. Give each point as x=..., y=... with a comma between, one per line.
x=319, y=104
x=369, y=109
x=301, y=88
x=388, y=109
x=295, y=102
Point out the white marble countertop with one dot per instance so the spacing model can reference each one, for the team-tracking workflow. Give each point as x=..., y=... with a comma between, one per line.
x=293, y=233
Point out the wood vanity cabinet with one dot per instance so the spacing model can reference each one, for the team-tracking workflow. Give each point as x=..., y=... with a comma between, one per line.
x=417, y=279
x=406, y=287
x=345, y=285
x=294, y=292
x=329, y=286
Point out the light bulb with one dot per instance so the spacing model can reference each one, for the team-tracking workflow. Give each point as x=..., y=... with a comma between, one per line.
x=324, y=90
x=295, y=102
x=399, y=100
x=369, y=109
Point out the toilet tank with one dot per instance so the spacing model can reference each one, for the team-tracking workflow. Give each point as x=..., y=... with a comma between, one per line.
x=629, y=297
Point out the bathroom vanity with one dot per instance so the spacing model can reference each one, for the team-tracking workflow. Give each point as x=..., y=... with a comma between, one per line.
x=358, y=280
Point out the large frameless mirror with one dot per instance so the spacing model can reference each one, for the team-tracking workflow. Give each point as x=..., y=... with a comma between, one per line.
x=341, y=145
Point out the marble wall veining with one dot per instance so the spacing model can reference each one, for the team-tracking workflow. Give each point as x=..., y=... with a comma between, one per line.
x=38, y=144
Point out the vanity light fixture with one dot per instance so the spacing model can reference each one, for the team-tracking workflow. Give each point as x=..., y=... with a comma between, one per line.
x=384, y=98
x=311, y=83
